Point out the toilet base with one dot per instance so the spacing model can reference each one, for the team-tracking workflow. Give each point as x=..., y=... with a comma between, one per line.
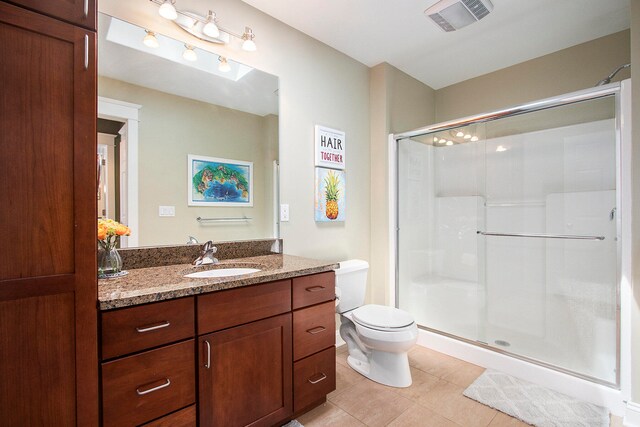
x=391, y=369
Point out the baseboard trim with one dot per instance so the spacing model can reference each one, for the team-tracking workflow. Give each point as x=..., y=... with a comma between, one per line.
x=632, y=415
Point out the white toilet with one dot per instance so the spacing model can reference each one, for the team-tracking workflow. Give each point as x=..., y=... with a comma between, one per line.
x=378, y=337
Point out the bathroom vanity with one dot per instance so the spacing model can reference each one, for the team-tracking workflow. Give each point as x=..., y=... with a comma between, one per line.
x=256, y=349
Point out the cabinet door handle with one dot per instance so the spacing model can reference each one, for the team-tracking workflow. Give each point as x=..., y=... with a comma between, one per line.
x=86, y=8
x=208, y=362
x=314, y=288
x=142, y=329
x=322, y=378
x=316, y=330
x=152, y=389
x=86, y=52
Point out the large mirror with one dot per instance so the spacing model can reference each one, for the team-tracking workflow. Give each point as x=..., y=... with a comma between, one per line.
x=185, y=147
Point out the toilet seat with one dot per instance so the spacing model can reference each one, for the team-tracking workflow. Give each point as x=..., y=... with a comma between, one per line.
x=382, y=318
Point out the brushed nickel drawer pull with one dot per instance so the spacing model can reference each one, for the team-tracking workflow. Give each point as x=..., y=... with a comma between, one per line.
x=86, y=52
x=156, y=388
x=316, y=330
x=208, y=362
x=314, y=288
x=142, y=329
x=86, y=8
x=322, y=378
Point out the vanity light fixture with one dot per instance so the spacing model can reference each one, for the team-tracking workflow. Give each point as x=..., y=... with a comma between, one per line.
x=467, y=136
x=168, y=10
x=203, y=27
x=189, y=54
x=474, y=138
x=248, y=44
x=442, y=141
x=150, y=39
x=210, y=28
x=435, y=139
x=449, y=143
x=224, y=65
x=459, y=134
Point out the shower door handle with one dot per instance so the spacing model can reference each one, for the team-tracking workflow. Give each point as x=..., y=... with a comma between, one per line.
x=541, y=236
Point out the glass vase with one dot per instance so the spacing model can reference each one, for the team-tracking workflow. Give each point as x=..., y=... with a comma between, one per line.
x=109, y=263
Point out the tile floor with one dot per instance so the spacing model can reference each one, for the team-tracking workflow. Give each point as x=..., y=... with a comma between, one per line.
x=434, y=399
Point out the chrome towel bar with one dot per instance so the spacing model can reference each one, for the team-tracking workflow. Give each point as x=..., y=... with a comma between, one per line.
x=541, y=236
x=228, y=219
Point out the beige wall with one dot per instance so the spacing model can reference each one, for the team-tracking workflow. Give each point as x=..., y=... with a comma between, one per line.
x=567, y=70
x=171, y=127
x=397, y=102
x=318, y=85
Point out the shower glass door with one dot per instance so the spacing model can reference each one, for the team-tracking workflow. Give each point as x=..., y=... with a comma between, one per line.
x=550, y=241
x=441, y=207
x=508, y=235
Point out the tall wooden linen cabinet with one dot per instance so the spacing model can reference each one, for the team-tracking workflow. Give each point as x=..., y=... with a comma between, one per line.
x=48, y=286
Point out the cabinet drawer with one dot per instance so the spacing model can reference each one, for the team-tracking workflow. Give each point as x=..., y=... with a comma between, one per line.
x=233, y=307
x=183, y=418
x=314, y=329
x=314, y=378
x=132, y=329
x=314, y=289
x=139, y=388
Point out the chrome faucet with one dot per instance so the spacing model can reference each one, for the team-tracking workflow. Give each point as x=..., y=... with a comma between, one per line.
x=207, y=255
x=192, y=241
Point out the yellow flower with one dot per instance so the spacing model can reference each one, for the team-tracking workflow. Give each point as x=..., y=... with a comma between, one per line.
x=108, y=229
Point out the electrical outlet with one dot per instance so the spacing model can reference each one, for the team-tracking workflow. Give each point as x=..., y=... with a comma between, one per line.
x=284, y=212
x=167, y=211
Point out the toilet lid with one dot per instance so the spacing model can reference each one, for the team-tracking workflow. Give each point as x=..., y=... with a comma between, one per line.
x=381, y=317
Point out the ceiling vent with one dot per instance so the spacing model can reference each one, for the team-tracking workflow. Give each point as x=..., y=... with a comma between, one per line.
x=451, y=15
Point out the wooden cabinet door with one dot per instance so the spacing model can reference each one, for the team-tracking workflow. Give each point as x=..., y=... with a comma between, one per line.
x=48, y=286
x=79, y=12
x=245, y=374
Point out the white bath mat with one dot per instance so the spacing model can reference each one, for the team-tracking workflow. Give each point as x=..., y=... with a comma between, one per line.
x=534, y=404
x=294, y=423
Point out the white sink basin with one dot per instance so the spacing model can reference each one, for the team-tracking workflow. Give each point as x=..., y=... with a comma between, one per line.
x=222, y=272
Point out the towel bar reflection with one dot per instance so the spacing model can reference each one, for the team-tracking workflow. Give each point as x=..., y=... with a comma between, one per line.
x=228, y=219
x=541, y=236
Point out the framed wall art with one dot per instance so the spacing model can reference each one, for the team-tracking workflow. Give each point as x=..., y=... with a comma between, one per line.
x=330, y=196
x=219, y=182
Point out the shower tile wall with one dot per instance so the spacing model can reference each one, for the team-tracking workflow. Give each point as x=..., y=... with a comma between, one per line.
x=539, y=295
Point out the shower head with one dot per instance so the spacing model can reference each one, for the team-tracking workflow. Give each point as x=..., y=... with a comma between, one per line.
x=607, y=79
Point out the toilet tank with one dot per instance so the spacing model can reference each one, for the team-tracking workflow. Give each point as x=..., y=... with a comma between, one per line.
x=351, y=284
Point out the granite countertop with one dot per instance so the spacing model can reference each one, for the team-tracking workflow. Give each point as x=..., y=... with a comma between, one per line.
x=144, y=285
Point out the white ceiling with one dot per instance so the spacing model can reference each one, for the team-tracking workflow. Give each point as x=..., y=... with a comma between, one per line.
x=398, y=32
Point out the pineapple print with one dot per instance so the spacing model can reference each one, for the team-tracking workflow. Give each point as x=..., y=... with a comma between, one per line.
x=331, y=191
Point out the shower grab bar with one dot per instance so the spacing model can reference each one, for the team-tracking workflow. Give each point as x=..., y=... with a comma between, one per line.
x=542, y=236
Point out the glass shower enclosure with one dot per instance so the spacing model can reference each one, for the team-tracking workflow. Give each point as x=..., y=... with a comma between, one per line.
x=508, y=232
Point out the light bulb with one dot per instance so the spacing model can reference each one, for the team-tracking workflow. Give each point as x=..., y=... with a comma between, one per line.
x=210, y=28
x=474, y=138
x=442, y=141
x=150, y=39
x=168, y=10
x=467, y=136
x=459, y=134
x=224, y=65
x=435, y=139
x=189, y=54
x=248, y=44
x=449, y=143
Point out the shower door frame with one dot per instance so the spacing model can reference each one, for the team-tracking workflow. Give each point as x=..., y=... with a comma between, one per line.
x=613, y=89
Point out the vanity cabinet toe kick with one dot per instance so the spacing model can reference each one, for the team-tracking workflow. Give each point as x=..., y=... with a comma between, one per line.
x=272, y=344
